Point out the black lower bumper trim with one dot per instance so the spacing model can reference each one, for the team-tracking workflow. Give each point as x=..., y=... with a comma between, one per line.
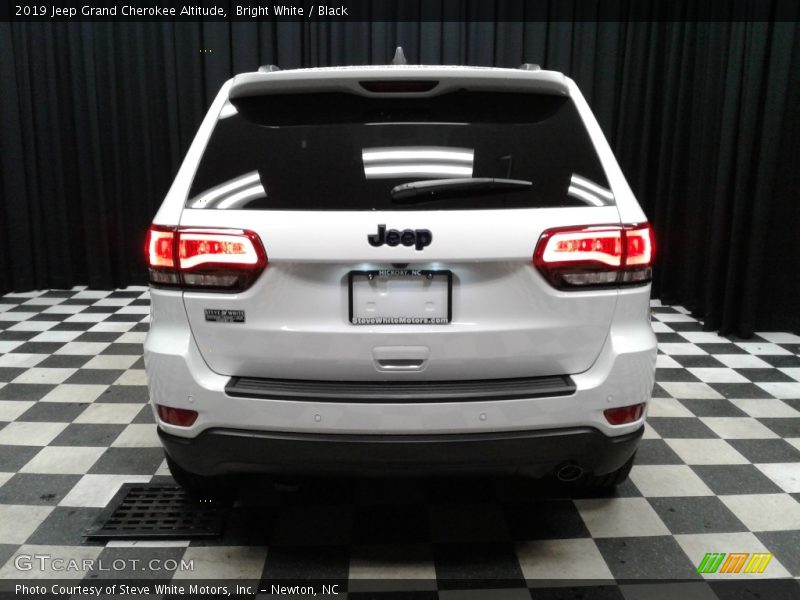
x=400, y=391
x=221, y=451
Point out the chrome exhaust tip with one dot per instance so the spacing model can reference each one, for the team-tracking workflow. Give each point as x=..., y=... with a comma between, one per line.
x=569, y=472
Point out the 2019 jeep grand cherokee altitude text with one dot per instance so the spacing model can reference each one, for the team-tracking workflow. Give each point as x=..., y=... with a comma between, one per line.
x=400, y=269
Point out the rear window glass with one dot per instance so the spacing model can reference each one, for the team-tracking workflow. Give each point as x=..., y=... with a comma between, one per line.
x=339, y=151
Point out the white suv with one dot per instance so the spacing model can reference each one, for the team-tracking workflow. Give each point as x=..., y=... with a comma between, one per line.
x=400, y=269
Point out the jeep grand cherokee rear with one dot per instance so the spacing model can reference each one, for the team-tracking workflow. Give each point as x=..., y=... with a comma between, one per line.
x=392, y=270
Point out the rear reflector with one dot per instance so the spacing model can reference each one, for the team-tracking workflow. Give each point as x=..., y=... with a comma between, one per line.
x=624, y=414
x=177, y=416
x=585, y=256
x=227, y=260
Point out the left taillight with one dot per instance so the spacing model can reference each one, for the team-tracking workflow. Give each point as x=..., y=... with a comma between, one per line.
x=596, y=256
x=222, y=260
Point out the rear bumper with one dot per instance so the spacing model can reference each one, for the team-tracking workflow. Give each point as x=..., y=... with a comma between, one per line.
x=179, y=377
x=536, y=453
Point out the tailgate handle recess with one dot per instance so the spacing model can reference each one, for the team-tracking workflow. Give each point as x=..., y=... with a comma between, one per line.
x=400, y=358
x=400, y=364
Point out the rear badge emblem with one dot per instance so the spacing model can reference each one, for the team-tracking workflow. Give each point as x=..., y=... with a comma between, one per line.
x=224, y=315
x=419, y=238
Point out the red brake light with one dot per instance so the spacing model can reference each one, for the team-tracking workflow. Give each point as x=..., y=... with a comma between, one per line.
x=197, y=248
x=639, y=246
x=595, y=255
x=210, y=259
x=624, y=414
x=589, y=245
x=159, y=251
x=159, y=247
x=177, y=416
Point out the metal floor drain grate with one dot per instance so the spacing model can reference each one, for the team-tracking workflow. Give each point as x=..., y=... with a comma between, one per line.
x=158, y=511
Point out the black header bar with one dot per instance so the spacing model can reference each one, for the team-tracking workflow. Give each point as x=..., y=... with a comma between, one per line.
x=331, y=11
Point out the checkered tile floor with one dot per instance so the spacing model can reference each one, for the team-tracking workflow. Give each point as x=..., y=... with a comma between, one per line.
x=718, y=471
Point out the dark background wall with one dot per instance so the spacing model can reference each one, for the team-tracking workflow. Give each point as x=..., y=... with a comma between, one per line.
x=95, y=118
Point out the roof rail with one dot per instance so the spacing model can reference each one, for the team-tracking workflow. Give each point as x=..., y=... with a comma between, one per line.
x=399, y=57
x=268, y=68
x=530, y=67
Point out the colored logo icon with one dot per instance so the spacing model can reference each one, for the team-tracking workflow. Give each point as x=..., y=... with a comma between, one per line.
x=734, y=562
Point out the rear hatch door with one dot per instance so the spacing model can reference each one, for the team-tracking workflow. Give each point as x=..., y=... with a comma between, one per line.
x=400, y=233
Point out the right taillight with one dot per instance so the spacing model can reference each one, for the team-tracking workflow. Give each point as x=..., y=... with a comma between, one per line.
x=592, y=256
x=221, y=260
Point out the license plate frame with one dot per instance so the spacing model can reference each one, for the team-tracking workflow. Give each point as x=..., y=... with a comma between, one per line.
x=422, y=274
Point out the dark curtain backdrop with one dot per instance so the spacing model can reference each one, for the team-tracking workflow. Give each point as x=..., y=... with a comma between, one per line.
x=95, y=118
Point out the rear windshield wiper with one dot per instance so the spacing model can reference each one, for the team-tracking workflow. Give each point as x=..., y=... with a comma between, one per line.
x=423, y=191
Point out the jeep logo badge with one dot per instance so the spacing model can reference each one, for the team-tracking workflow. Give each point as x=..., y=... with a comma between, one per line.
x=419, y=238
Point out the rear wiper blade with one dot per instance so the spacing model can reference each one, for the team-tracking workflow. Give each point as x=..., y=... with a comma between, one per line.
x=422, y=191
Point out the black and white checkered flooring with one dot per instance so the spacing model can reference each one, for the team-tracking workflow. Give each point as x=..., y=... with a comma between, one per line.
x=718, y=471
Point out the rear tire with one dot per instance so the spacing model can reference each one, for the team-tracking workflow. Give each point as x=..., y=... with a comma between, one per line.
x=600, y=484
x=200, y=485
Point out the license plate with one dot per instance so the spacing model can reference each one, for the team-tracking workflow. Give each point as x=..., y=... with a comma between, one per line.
x=400, y=297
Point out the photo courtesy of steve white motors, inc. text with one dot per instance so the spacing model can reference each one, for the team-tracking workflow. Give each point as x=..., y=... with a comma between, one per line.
x=194, y=590
x=273, y=10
